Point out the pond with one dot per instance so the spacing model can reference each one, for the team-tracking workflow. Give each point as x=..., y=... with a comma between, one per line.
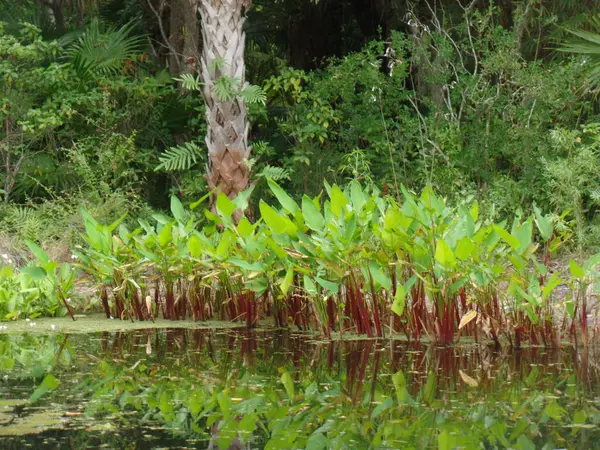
x=238, y=389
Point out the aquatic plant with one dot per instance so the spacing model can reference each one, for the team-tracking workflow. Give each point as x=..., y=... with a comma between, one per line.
x=355, y=260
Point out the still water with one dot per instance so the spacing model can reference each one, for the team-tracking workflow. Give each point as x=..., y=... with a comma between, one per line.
x=279, y=390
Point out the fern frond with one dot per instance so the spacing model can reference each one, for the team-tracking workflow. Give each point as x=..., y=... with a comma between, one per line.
x=190, y=82
x=181, y=157
x=274, y=173
x=225, y=87
x=254, y=94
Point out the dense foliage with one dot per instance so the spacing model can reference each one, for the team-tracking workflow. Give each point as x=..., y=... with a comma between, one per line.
x=100, y=107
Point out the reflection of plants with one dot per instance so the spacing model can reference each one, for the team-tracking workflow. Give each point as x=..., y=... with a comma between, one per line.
x=348, y=400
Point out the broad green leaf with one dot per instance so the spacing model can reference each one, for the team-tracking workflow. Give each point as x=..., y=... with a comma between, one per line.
x=317, y=441
x=36, y=273
x=225, y=207
x=328, y=285
x=309, y=286
x=358, y=197
x=576, y=269
x=165, y=236
x=444, y=254
x=445, y=441
x=380, y=278
x=524, y=235
x=177, y=209
x=37, y=251
x=113, y=226
x=338, y=201
x=227, y=238
x=464, y=249
x=312, y=216
x=399, y=300
x=507, y=237
x=245, y=228
x=285, y=200
x=195, y=246
x=48, y=384
x=474, y=211
x=544, y=225
x=399, y=381
x=551, y=284
x=287, y=281
x=276, y=222
x=288, y=384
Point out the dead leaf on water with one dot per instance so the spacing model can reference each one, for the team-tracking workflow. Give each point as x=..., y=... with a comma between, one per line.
x=468, y=380
x=468, y=317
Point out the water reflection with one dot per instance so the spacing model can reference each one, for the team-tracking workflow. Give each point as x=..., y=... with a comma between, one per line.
x=242, y=389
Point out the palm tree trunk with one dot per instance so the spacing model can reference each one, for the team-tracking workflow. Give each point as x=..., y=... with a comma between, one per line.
x=223, y=56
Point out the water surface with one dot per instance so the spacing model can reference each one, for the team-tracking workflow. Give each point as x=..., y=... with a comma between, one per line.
x=231, y=388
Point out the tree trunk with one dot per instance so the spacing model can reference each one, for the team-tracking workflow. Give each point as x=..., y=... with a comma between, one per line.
x=223, y=56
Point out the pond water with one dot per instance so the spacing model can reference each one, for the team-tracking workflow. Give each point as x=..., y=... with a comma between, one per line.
x=231, y=388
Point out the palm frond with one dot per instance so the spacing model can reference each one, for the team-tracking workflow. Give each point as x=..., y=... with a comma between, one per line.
x=586, y=43
x=181, y=157
x=100, y=53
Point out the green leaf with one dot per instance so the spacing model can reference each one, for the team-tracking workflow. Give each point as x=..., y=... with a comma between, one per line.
x=550, y=285
x=36, y=273
x=543, y=223
x=444, y=254
x=177, y=209
x=309, y=286
x=276, y=222
x=554, y=410
x=286, y=201
x=357, y=196
x=201, y=199
x=37, y=251
x=328, y=285
x=507, y=237
x=576, y=269
x=312, y=216
x=465, y=248
x=317, y=441
x=225, y=207
x=113, y=226
x=195, y=246
x=445, y=441
x=245, y=228
x=287, y=281
x=165, y=236
x=379, y=276
x=399, y=300
x=49, y=384
x=338, y=201
x=288, y=384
